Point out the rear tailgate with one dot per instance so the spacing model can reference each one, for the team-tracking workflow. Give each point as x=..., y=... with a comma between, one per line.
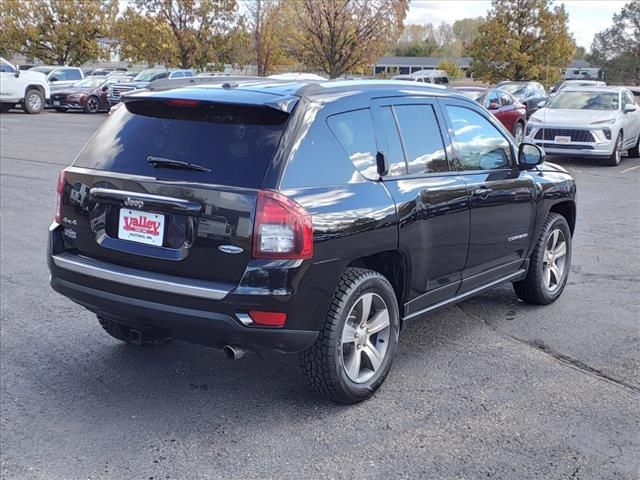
x=119, y=208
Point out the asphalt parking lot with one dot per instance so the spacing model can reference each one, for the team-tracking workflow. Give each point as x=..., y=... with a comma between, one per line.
x=491, y=388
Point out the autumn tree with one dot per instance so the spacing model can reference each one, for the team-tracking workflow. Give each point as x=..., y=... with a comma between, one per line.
x=465, y=31
x=617, y=49
x=269, y=21
x=61, y=32
x=522, y=40
x=192, y=31
x=338, y=36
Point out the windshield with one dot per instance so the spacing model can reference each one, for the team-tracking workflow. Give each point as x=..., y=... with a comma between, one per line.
x=514, y=88
x=585, y=101
x=473, y=94
x=146, y=76
x=45, y=70
x=89, y=83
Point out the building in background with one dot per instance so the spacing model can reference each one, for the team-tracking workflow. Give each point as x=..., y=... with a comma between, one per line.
x=405, y=65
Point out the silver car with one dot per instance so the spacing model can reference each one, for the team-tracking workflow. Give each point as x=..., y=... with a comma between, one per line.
x=597, y=122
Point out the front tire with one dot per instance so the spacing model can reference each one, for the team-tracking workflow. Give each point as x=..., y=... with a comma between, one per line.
x=550, y=263
x=33, y=101
x=355, y=348
x=92, y=105
x=616, y=156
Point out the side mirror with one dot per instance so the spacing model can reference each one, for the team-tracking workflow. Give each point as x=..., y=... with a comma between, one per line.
x=53, y=79
x=629, y=107
x=104, y=88
x=530, y=155
x=494, y=106
x=541, y=104
x=17, y=67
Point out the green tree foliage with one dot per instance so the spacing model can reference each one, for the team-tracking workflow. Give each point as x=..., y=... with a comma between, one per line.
x=451, y=68
x=62, y=32
x=617, y=49
x=465, y=31
x=522, y=40
x=339, y=36
x=192, y=33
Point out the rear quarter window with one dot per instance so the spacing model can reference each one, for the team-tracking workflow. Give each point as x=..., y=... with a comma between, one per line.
x=236, y=142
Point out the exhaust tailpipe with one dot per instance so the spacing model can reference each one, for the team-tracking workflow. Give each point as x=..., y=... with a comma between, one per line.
x=233, y=352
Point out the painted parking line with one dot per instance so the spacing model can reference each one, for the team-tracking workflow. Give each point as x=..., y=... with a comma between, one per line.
x=629, y=169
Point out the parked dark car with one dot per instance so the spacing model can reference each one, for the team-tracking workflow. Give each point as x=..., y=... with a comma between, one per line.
x=143, y=80
x=531, y=94
x=310, y=218
x=89, y=95
x=504, y=106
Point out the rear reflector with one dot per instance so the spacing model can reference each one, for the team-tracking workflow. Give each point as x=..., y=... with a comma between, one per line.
x=282, y=229
x=268, y=319
x=60, y=190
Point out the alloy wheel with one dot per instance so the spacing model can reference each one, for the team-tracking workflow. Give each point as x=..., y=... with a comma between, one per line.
x=619, y=149
x=35, y=103
x=519, y=133
x=365, y=337
x=555, y=260
x=92, y=105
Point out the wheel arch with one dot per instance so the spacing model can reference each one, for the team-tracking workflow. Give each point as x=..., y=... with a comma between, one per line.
x=568, y=210
x=32, y=86
x=393, y=265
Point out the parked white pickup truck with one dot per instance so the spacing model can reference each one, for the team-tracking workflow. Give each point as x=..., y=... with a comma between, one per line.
x=29, y=89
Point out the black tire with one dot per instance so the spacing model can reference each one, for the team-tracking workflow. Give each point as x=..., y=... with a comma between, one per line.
x=5, y=107
x=126, y=334
x=323, y=363
x=60, y=109
x=92, y=105
x=533, y=288
x=635, y=151
x=518, y=125
x=33, y=101
x=616, y=156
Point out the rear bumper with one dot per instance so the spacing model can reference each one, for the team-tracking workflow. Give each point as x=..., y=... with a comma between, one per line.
x=198, y=326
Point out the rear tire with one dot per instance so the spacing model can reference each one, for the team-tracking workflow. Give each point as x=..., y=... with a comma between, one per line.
x=616, y=156
x=635, y=151
x=126, y=334
x=356, y=345
x=550, y=263
x=33, y=101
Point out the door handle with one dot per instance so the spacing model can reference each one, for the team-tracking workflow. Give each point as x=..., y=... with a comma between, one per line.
x=482, y=192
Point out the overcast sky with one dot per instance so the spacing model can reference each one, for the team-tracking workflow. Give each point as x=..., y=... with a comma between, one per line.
x=586, y=17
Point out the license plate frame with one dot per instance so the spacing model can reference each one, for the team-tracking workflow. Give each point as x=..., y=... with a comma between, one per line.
x=141, y=227
x=562, y=139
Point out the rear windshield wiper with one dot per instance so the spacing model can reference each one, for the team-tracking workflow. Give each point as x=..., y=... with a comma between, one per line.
x=159, y=162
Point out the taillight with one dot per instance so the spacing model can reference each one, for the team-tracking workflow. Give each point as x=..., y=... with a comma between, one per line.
x=268, y=319
x=60, y=190
x=282, y=228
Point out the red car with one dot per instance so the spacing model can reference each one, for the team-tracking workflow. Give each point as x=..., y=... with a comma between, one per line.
x=504, y=106
x=89, y=95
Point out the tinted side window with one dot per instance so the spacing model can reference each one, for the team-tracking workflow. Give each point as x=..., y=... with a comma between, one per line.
x=177, y=75
x=505, y=99
x=394, y=154
x=493, y=98
x=73, y=74
x=354, y=131
x=479, y=144
x=422, y=141
x=629, y=98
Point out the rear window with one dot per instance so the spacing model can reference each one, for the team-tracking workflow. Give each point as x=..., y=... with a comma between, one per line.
x=236, y=142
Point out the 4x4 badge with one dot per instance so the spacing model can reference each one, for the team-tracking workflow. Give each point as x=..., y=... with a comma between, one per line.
x=133, y=202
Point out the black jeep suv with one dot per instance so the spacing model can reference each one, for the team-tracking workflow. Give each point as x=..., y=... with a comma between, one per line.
x=304, y=218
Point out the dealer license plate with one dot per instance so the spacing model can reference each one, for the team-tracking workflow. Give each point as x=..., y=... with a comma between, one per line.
x=560, y=139
x=141, y=227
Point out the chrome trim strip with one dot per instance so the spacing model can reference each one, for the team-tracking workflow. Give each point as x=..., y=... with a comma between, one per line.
x=464, y=296
x=138, y=278
x=245, y=318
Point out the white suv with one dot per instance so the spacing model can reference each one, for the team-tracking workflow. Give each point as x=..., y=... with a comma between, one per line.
x=29, y=89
